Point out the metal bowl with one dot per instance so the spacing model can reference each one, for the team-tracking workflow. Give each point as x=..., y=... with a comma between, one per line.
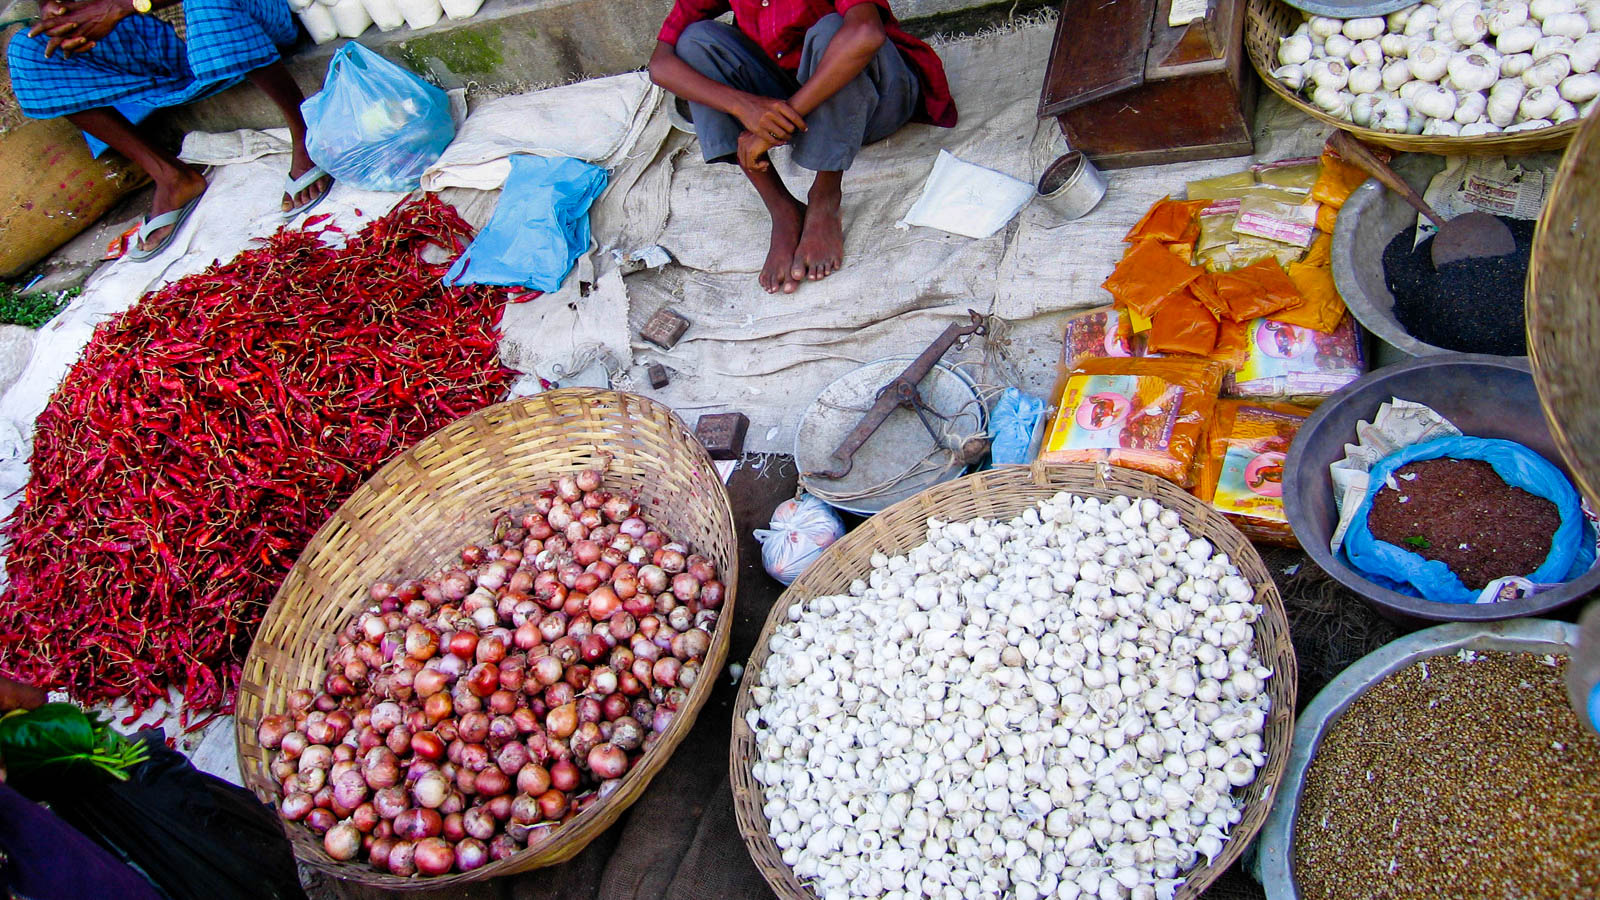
x=1275, y=847
x=1353, y=9
x=1485, y=396
x=1368, y=221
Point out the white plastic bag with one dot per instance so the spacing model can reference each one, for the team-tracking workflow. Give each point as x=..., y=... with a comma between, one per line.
x=351, y=18
x=421, y=13
x=460, y=9
x=966, y=199
x=319, y=23
x=801, y=529
x=385, y=14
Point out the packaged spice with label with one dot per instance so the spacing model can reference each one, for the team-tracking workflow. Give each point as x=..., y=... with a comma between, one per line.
x=1241, y=474
x=1146, y=275
x=1145, y=414
x=1295, y=364
x=1095, y=334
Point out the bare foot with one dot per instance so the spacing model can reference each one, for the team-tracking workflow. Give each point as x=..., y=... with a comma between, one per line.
x=787, y=221
x=300, y=165
x=821, y=248
x=172, y=194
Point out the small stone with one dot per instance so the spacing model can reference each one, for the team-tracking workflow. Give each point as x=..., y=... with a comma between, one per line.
x=658, y=375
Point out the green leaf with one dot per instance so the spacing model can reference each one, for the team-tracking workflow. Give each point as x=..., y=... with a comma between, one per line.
x=1421, y=543
x=61, y=734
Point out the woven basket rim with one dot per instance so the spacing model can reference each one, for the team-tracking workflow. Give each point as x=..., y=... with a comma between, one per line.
x=1021, y=486
x=1550, y=138
x=571, y=837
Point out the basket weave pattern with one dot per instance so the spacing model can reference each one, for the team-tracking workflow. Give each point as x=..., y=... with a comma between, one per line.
x=1269, y=21
x=1002, y=494
x=415, y=514
x=1562, y=314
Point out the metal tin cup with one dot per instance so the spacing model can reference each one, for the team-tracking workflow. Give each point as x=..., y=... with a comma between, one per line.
x=1071, y=186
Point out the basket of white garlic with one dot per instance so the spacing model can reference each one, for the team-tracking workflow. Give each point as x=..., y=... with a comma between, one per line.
x=1445, y=76
x=1056, y=682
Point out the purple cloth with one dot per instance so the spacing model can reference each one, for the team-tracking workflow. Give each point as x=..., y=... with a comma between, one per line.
x=47, y=859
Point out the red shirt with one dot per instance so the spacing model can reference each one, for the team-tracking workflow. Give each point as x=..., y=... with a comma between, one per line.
x=779, y=27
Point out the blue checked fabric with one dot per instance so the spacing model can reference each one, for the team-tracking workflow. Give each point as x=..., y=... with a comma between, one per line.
x=143, y=63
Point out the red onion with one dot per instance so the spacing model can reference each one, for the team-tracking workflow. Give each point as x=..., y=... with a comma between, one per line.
x=564, y=776
x=320, y=820
x=390, y=801
x=499, y=807
x=455, y=585
x=565, y=650
x=421, y=641
x=296, y=806
x=471, y=853
x=527, y=635
x=365, y=818
x=661, y=719
x=471, y=555
x=614, y=706
x=512, y=758
x=553, y=626
x=427, y=745
x=415, y=824
x=491, y=649
x=437, y=707
x=475, y=757
x=567, y=489
x=644, y=669
x=503, y=701
x=454, y=829
x=293, y=744
x=590, y=519
x=623, y=626
x=603, y=603
x=402, y=859
x=492, y=782
x=525, y=809
x=547, y=670
x=593, y=648
x=627, y=733
x=538, y=527
x=350, y=791
x=462, y=643
x=272, y=729
x=398, y=740
x=502, y=728
x=431, y=790
x=691, y=644
x=671, y=561
x=588, y=710
x=653, y=579
x=478, y=823
x=685, y=587
x=618, y=508
x=502, y=847
x=525, y=719
x=484, y=679
x=552, y=804
x=558, y=694
x=608, y=761
x=680, y=618
x=533, y=779
x=342, y=841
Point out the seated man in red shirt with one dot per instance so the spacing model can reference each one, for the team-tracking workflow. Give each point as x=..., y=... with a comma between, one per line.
x=824, y=76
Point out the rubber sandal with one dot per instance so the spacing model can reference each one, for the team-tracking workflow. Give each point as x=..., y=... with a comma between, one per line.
x=292, y=186
x=173, y=217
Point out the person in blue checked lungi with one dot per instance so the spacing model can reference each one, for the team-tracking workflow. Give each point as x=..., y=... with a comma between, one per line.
x=84, y=59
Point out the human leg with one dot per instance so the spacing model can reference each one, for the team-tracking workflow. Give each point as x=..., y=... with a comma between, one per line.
x=722, y=53
x=872, y=106
x=176, y=182
x=275, y=81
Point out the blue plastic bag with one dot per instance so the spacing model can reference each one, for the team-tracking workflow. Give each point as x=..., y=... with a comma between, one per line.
x=539, y=227
x=374, y=125
x=1571, y=552
x=1015, y=422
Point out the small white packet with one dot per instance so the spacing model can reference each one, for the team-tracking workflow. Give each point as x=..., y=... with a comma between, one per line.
x=967, y=199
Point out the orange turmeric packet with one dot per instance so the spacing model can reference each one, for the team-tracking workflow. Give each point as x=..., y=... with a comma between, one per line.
x=1145, y=414
x=1327, y=218
x=1168, y=220
x=1320, y=253
x=1148, y=274
x=1241, y=473
x=1259, y=289
x=1337, y=180
x=1182, y=324
x=1233, y=344
x=1323, y=307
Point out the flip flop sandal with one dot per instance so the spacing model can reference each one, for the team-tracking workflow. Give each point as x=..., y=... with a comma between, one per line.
x=173, y=217
x=293, y=186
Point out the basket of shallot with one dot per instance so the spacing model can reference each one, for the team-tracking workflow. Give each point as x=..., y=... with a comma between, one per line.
x=1071, y=681
x=486, y=654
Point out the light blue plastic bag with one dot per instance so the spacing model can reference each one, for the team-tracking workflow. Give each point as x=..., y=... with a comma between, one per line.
x=539, y=227
x=374, y=125
x=1015, y=421
x=1571, y=551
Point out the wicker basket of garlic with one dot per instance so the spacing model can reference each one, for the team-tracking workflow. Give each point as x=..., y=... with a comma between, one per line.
x=1063, y=682
x=1443, y=76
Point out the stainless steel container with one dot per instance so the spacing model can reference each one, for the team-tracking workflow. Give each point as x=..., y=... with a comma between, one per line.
x=1275, y=846
x=1071, y=186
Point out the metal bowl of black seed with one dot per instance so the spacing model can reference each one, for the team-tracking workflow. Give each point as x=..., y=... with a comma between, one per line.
x=1393, y=290
x=1447, y=763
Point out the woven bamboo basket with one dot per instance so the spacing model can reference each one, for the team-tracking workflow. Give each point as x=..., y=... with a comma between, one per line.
x=1562, y=313
x=416, y=513
x=1269, y=21
x=1004, y=493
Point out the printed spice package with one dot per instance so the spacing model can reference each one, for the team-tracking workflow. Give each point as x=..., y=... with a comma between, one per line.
x=1241, y=471
x=1294, y=364
x=1096, y=334
x=1145, y=414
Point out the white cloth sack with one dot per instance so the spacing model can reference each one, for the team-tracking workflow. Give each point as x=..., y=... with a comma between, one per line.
x=612, y=111
x=967, y=199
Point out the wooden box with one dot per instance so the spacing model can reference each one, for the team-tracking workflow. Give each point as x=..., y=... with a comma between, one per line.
x=1130, y=90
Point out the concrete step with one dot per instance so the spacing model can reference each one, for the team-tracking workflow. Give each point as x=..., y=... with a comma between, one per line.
x=512, y=46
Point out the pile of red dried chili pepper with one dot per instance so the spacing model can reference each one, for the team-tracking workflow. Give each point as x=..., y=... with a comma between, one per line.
x=206, y=434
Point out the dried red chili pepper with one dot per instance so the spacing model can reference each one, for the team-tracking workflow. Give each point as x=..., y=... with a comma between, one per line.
x=205, y=435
